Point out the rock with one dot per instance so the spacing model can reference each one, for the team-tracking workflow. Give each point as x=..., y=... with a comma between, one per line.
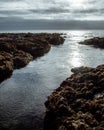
x=53, y=39
x=36, y=48
x=74, y=104
x=96, y=42
x=7, y=46
x=81, y=69
x=21, y=59
x=6, y=65
x=100, y=67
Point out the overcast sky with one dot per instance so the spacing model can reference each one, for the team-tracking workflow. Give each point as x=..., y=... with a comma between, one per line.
x=51, y=10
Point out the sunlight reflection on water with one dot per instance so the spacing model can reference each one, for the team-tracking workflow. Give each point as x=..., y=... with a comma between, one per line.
x=75, y=61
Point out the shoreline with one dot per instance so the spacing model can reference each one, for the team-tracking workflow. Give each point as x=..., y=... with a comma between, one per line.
x=18, y=49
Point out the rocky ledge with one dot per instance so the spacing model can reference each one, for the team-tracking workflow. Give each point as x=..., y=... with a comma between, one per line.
x=17, y=50
x=78, y=104
x=95, y=42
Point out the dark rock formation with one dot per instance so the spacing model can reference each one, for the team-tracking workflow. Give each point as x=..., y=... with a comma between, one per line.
x=95, y=42
x=17, y=50
x=6, y=65
x=54, y=38
x=78, y=104
x=36, y=47
x=21, y=59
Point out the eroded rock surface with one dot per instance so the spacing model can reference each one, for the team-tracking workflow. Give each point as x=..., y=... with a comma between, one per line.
x=78, y=104
x=17, y=50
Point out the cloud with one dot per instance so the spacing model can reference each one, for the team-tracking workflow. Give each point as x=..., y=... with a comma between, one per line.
x=12, y=12
x=22, y=24
x=48, y=13
x=51, y=14
x=53, y=10
x=9, y=1
x=90, y=12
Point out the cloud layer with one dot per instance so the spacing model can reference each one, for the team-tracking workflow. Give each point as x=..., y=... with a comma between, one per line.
x=53, y=10
x=51, y=14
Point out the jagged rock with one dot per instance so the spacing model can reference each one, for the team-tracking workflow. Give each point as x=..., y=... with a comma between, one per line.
x=78, y=104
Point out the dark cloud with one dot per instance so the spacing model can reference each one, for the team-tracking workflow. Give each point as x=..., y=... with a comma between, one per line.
x=12, y=12
x=50, y=11
x=89, y=11
x=12, y=23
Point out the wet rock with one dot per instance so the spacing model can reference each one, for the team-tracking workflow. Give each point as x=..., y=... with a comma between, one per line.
x=74, y=104
x=53, y=39
x=96, y=42
x=81, y=69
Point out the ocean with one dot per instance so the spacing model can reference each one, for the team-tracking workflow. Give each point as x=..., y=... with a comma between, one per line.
x=22, y=96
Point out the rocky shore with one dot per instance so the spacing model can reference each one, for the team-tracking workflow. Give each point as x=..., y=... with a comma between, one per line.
x=78, y=104
x=17, y=50
x=95, y=42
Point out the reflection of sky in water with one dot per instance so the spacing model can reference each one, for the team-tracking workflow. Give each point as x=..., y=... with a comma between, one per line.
x=26, y=91
x=77, y=36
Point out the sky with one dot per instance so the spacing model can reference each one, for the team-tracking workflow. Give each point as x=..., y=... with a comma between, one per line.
x=51, y=14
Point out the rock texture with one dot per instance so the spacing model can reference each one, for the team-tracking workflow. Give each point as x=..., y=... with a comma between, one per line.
x=6, y=65
x=17, y=50
x=95, y=42
x=21, y=59
x=78, y=104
